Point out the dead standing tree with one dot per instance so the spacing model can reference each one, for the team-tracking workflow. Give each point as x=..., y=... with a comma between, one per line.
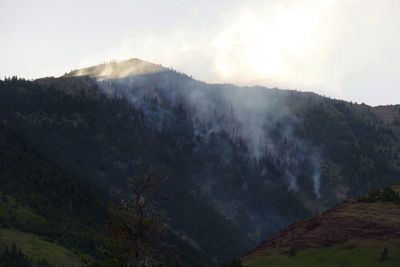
x=137, y=229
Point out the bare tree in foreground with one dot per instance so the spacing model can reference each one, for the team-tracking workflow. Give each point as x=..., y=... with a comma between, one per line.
x=137, y=229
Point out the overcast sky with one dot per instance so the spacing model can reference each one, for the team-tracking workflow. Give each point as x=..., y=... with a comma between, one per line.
x=347, y=49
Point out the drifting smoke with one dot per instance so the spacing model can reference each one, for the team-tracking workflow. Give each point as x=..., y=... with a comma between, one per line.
x=259, y=118
x=317, y=184
x=316, y=176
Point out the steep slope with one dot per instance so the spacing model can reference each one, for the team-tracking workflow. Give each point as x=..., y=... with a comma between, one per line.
x=44, y=206
x=43, y=185
x=89, y=155
x=242, y=162
x=361, y=232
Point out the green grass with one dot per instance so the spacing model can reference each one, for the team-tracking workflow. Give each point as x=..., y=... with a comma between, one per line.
x=10, y=211
x=36, y=248
x=362, y=254
x=32, y=245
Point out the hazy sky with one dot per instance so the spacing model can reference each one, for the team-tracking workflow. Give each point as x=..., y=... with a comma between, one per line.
x=346, y=49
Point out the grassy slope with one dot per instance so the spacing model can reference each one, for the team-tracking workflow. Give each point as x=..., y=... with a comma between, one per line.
x=362, y=254
x=318, y=246
x=36, y=248
x=10, y=210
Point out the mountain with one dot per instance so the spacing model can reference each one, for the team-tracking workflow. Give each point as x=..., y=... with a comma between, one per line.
x=364, y=231
x=241, y=162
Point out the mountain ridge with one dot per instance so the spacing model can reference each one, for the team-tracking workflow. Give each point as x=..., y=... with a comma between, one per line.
x=117, y=69
x=137, y=66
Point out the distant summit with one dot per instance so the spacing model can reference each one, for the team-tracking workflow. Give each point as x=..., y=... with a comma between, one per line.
x=118, y=69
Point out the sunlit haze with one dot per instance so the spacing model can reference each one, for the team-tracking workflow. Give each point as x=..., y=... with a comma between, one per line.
x=343, y=49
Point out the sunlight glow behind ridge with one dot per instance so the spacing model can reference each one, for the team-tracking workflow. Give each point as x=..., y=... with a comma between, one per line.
x=271, y=45
x=344, y=49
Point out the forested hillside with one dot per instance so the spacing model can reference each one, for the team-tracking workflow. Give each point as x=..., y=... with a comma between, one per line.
x=41, y=197
x=241, y=162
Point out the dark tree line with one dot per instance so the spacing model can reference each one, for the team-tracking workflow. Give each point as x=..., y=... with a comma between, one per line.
x=13, y=257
